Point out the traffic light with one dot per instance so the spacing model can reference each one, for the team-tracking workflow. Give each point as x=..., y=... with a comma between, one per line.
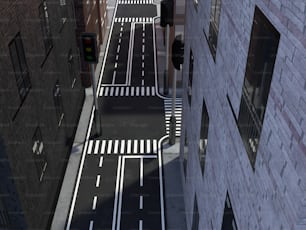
x=177, y=52
x=166, y=13
x=89, y=47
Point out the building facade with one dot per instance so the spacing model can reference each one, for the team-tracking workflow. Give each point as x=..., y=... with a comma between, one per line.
x=41, y=100
x=243, y=144
x=91, y=16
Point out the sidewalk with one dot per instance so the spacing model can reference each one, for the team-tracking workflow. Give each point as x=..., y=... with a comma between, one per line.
x=174, y=200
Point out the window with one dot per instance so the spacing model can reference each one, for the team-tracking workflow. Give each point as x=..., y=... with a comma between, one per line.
x=185, y=153
x=214, y=26
x=58, y=103
x=189, y=88
x=203, y=136
x=71, y=68
x=229, y=222
x=196, y=4
x=255, y=91
x=45, y=26
x=63, y=11
x=39, y=153
x=20, y=67
x=195, y=215
x=5, y=222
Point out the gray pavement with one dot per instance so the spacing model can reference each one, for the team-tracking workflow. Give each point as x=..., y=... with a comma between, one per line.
x=174, y=201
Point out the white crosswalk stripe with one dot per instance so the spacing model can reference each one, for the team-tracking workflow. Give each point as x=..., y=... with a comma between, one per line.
x=133, y=19
x=177, y=113
x=138, y=147
x=127, y=91
x=138, y=2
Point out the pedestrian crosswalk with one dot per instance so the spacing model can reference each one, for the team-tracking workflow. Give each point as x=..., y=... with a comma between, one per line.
x=133, y=19
x=135, y=2
x=142, y=146
x=177, y=113
x=127, y=91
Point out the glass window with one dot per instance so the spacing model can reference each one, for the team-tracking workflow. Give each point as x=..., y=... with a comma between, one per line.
x=189, y=89
x=185, y=153
x=203, y=136
x=58, y=103
x=71, y=68
x=20, y=66
x=229, y=222
x=63, y=11
x=214, y=26
x=195, y=215
x=39, y=153
x=255, y=91
x=45, y=26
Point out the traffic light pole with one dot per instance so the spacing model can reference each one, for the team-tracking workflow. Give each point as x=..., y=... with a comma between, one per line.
x=96, y=112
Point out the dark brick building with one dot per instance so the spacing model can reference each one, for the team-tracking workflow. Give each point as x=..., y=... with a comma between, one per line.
x=40, y=103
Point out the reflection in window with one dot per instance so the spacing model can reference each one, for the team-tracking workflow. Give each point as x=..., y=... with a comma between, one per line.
x=45, y=26
x=20, y=66
x=189, y=88
x=257, y=81
x=57, y=97
x=71, y=68
x=229, y=222
x=39, y=154
x=214, y=26
x=203, y=136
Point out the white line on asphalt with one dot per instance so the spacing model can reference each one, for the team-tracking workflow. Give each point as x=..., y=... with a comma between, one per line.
x=122, y=91
x=137, y=91
x=100, y=162
x=142, y=82
x=148, y=91
x=117, y=57
x=142, y=146
x=142, y=73
x=116, y=145
x=148, y=148
x=143, y=48
x=91, y=225
x=135, y=146
x=143, y=27
x=141, y=173
x=127, y=91
x=101, y=91
x=116, y=193
x=142, y=91
x=120, y=34
x=98, y=181
x=97, y=147
x=116, y=65
x=119, y=40
x=143, y=57
x=122, y=23
x=106, y=91
x=154, y=146
x=153, y=91
x=121, y=29
x=129, y=145
x=142, y=65
x=94, y=203
x=122, y=146
x=132, y=91
x=143, y=34
x=90, y=146
x=109, y=147
x=141, y=202
x=111, y=93
x=143, y=40
x=117, y=91
x=118, y=48
x=103, y=146
x=141, y=156
x=140, y=224
x=120, y=194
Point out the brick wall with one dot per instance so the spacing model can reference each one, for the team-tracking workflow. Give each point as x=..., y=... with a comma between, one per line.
x=272, y=196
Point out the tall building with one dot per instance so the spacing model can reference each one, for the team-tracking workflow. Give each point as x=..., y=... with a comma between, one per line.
x=243, y=144
x=91, y=16
x=40, y=103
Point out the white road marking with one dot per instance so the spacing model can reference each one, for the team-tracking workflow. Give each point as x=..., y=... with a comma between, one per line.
x=148, y=148
x=116, y=193
x=122, y=146
x=117, y=91
x=143, y=34
x=97, y=147
x=101, y=91
x=143, y=40
x=137, y=91
x=142, y=73
x=94, y=203
x=116, y=145
x=120, y=34
x=118, y=48
x=116, y=65
x=143, y=57
x=135, y=146
x=148, y=90
x=90, y=146
x=117, y=56
x=142, y=146
x=153, y=91
x=101, y=162
x=143, y=26
x=127, y=91
x=143, y=48
x=120, y=194
x=121, y=29
x=142, y=65
x=103, y=146
x=91, y=223
x=122, y=91
x=119, y=40
x=106, y=92
x=142, y=91
x=141, y=173
x=141, y=202
x=111, y=91
x=140, y=224
x=98, y=181
x=129, y=145
x=132, y=91
x=109, y=147
x=142, y=82
x=154, y=146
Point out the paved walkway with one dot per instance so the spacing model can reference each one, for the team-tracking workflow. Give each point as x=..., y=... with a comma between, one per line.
x=174, y=201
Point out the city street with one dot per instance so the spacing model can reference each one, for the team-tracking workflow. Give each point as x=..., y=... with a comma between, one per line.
x=120, y=184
